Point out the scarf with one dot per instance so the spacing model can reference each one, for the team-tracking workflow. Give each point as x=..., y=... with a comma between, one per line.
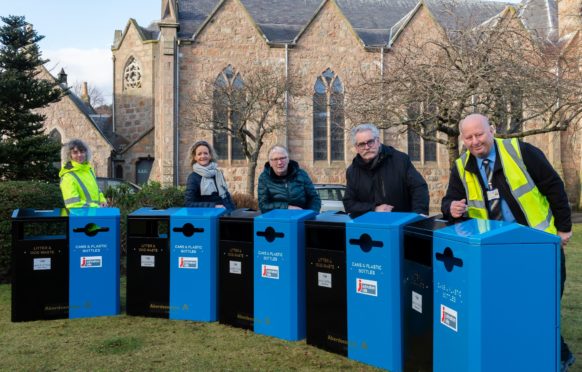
x=211, y=178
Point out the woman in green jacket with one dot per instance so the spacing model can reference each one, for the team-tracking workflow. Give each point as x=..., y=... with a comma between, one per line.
x=78, y=182
x=283, y=185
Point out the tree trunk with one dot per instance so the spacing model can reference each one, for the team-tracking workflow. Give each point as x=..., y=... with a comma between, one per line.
x=453, y=150
x=252, y=168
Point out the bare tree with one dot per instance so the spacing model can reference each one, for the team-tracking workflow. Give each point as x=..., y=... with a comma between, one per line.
x=94, y=94
x=496, y=68
x=247, y=107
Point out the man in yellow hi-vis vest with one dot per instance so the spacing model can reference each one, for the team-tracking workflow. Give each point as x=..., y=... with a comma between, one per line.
x=508, y=180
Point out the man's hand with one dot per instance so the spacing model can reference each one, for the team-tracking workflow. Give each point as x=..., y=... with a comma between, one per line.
x=384, y=208
x=293, y=207
x=565, y=236
x=458, y=208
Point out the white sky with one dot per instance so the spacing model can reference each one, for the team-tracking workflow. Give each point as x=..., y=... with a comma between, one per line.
x=78, y=34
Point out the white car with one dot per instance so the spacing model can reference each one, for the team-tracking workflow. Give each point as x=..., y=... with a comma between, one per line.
x=331, y=197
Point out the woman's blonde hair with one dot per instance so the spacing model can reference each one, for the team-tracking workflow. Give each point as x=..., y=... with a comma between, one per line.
x=213, y=156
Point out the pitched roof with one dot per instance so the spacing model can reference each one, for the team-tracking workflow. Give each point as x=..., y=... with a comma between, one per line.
x=540, y=16
x=282, y=20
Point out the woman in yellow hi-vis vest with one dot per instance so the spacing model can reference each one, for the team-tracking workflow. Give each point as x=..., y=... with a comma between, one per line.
x=512, y=181
x=78, y=182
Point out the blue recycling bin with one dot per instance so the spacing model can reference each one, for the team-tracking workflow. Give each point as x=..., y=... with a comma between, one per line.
x=374, y=259
x=279, y=273
x=194, y=263
x=93, y=262
x=148, y=262
x=496, y=298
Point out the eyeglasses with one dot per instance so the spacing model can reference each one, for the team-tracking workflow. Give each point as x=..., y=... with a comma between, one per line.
x=276, y=160
x=364, y=145
x=78, y=151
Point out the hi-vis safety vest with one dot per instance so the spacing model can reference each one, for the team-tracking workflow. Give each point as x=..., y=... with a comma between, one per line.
x=79, y=186
x=533, y=204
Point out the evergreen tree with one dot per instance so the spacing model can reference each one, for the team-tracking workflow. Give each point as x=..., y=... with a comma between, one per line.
x=25, y=151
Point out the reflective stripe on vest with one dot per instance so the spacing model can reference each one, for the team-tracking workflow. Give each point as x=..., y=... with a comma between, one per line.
x=532, y=203
x=89, y=202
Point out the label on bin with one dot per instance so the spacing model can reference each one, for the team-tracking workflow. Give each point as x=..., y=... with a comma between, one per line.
x=91, y=261
x=188, y=263
x=148, y=261
x=235, y=267
x=270, y=271
x=41, y=263
x=324, y=279
x=449, y=318
x=417, y=301
x=367, y=287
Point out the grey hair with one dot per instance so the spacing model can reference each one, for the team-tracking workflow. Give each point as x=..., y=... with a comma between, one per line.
x=278, y=147
x=484, y=120
x=363, y=128
x=192, y=151
x=74, y=144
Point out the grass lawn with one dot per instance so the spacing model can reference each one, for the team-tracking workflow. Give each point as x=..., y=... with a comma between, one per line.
x=138, y=344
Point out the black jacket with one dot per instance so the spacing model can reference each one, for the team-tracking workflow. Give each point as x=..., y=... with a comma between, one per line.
x=540, y=170
x=194, y=199
x=390, y=179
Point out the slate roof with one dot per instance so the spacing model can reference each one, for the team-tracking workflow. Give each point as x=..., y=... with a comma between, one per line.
x=541, y=16
x=282, y=20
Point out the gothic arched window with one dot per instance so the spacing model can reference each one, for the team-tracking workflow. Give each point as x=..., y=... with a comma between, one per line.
x=132, y=74
x=225, y=116
x=328, y=117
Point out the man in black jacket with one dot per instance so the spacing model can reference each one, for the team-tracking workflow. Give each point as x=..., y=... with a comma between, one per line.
x=381, y=178
x=477, y=136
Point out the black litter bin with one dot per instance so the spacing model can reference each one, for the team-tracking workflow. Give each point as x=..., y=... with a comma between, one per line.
x=40, y=264
x=326, y=296
x=148, y=263
x=417, y=293
x=235, y=268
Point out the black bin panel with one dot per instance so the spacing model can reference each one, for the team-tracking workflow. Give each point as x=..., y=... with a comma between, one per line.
x=40, y=269
x=148, y=267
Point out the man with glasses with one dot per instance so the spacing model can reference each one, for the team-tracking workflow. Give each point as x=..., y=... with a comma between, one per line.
x=283, y=185
x=381, y=178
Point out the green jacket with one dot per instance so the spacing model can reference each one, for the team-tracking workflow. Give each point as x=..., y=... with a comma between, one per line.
x=79, y=186
x=295, y=188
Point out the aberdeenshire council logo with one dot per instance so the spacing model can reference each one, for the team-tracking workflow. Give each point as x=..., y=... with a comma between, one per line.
x=367, y=287
x=91, y=261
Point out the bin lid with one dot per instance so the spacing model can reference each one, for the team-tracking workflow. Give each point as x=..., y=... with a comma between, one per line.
x=242, y=213
x=94, y=212
x=383, y=220
x=427, y=226
x=199, y=212
x=153, y=212
x=486, y=232
x=333, y=216
x=287, y=215
x=26, y=213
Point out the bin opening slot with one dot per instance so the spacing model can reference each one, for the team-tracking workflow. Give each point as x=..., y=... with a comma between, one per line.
x=449, y=260
x=91, y=229
x=366, y=243
x=45, y=230
x=270, y=234
x=418, y=249
x=188, y=229
x=149, y=228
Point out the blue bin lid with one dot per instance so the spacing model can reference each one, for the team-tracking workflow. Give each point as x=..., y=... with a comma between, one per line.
x=383, y=220
x=39, y=213
x=333, y=216
x=486, y=232
x=199, y=212
x=94, y=212
x=153, y=212
x=286, y=215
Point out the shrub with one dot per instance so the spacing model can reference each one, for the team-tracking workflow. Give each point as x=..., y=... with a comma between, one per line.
x=245, y=201
x=21, y=194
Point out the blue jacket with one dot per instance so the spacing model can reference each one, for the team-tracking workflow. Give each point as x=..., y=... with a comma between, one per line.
x=194, y=199
x=295, y=188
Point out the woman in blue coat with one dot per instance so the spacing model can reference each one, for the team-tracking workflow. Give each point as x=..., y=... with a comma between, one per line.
x=206, y=186
x=283, y=185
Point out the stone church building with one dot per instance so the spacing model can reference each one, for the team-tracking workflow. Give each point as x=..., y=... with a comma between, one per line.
x=323, y=44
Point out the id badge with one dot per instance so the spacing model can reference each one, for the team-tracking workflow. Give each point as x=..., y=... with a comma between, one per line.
x=493, y=194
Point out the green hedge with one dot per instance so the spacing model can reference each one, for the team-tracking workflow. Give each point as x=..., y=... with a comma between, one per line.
x=21, y=194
